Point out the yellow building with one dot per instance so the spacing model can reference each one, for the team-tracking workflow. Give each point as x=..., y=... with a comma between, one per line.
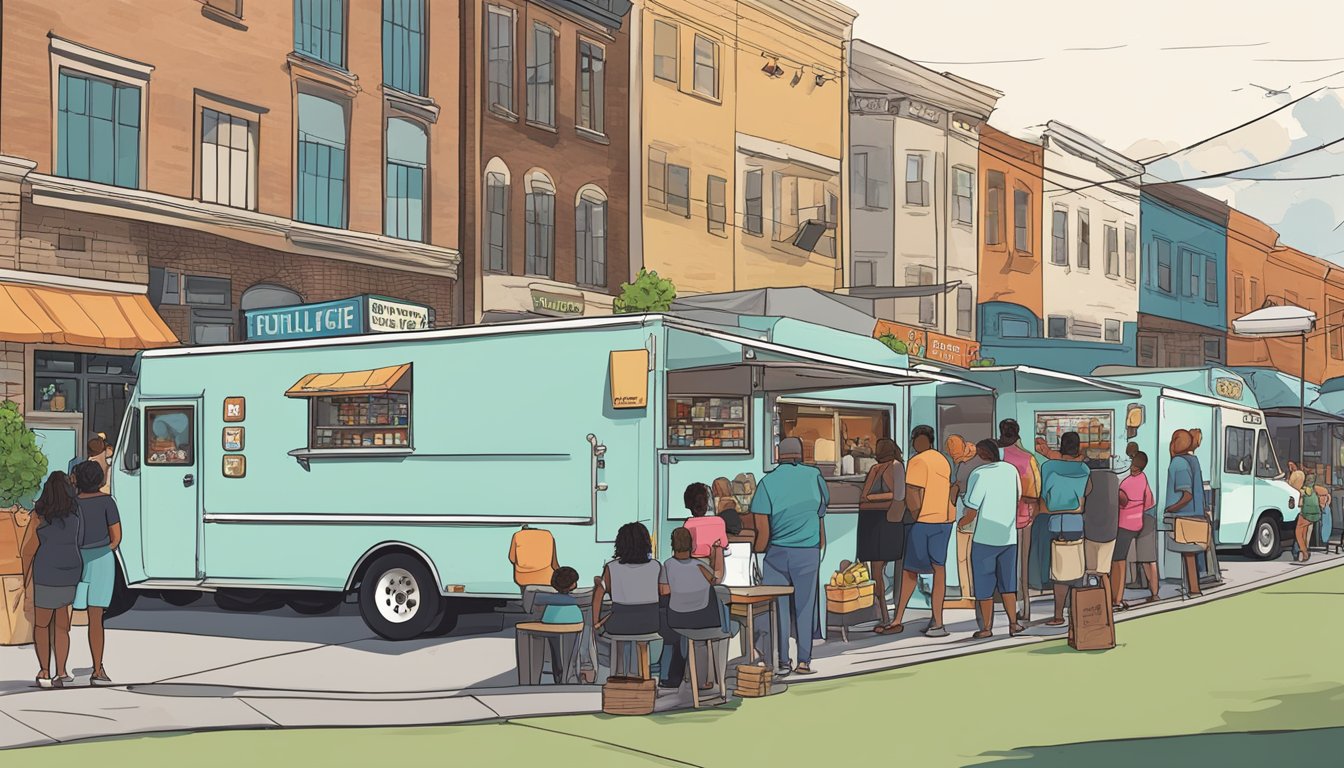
x=738, y=142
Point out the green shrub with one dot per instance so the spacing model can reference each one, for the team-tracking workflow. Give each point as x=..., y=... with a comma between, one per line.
x=23, y=466
x=894, y=344
x=648, y=293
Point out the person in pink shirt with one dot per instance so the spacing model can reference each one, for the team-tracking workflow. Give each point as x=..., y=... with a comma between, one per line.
x=706, y=530
x=1136, y=501
x=1029, y=477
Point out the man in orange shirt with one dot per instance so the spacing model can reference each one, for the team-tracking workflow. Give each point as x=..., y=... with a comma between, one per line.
x=928, y=497
x=533, y=555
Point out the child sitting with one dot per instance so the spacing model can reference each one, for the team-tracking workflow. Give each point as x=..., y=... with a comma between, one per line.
x=560, y=608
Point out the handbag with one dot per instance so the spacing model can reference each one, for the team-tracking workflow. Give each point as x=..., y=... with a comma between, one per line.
x=1067, y=562
x=1192, y=530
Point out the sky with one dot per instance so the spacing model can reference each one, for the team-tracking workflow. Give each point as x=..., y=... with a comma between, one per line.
x=1148, y=77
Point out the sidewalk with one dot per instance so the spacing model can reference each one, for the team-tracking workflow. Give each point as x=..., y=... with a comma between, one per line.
x=30, y=717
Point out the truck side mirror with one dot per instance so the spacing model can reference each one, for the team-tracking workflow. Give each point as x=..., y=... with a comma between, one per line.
x=131, y=461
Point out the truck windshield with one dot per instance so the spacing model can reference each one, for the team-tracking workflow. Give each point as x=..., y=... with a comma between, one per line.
x=1266, y=463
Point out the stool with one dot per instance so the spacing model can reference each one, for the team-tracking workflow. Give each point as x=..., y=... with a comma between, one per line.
x=531, y=645
x=710, y=637
x=641, y=643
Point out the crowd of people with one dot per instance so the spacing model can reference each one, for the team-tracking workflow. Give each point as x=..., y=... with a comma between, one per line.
x=70, y=563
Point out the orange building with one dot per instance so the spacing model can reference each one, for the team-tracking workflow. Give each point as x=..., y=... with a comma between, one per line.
x=1011, y=173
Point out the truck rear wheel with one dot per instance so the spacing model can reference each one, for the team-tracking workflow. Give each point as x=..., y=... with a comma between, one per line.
x=1265, y=543
x=398, y=598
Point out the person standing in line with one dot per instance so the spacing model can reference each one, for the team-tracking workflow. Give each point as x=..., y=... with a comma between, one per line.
x=1101, y=524
x=1136, y=520
x=1065, y=485
x=992, y=492
x=101, y=522
x=1029, y=476
x=928, y=489
x=965, y=460
x=790, y=509
x=1185, y=498
x=51, y=559
x=725, y=505
x=880, y=537
x=1314, y=499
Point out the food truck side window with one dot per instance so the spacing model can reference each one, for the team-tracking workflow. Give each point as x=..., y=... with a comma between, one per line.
x=1094, y=430
x=839, y=440
x=710, y=422
x=362, y=421
x=169, y=440
x=1240, y=446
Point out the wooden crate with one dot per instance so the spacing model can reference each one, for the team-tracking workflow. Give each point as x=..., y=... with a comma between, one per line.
x=628, y=696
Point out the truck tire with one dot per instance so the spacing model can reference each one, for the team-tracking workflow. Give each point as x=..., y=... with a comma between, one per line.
x=248, y=600
x=314, y=603
x=123, y=597
x=398, y=598
x=180, y=597
x=1265, y=542
x=446, y=621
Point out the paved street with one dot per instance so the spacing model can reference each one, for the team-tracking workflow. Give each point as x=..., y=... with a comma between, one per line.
x=199, y=667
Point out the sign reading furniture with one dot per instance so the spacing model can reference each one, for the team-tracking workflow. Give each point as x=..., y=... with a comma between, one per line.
x=343, y=317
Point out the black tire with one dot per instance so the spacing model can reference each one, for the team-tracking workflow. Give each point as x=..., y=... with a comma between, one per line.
x=180, y=597
x=399, y=586
x=314, y=603
x=447, y=619
x=247, y=600
x=123, y=597
x=1266, y=541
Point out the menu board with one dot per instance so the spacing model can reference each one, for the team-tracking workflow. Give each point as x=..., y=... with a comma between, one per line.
x=707, y=422
x=1094, y=428
x=363, y=421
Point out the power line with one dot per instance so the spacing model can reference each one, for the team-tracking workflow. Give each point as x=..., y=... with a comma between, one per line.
x=1234, y=129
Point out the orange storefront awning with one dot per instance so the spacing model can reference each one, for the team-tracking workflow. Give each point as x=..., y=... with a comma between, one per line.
x=32, y=314
x=378, y=381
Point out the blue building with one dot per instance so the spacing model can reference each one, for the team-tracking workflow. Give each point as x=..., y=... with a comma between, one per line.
x=1183, y=281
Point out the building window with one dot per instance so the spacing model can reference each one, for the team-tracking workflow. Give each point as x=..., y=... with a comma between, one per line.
x=963, y=186
x=1148, y=350
x=233, y=8
x=497, y=217
x=590, y=236
x=705, y=78
x=98, y=130
x=1188, y=264
x=228, y=160
x=868, y=184
x=1213, y=350
x=1113, y=330
x=1335, y=324
x=541, y=76
x=864, y=274
x=499, y=58
x=997, y=189
x=965, y=309
x=658, y=178
x=404, y=45
x=916, y=188
x=319, y=30
x=1238, y=293
x=407, y=160
x=1022, y=220
x=665, y=51
x=1210, y=281
x=540, y=225
x=211, y=302
x=1131, y=253
x=1059, y=237
x=592, y=87
x=1057, y=327
x=753, y=214
x=1014, y=328
x=679, y=190
x=1084, y=239
x=1163, y=249
x=1256, y=298
x=321, y=188
x=928, y=305
x=716, y=204
x=1112, y=244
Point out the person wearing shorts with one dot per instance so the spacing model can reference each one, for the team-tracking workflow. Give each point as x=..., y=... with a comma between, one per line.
x=102, y=535
x=1065, y=483
x=992, y=493
x=1135, y=523
x=928, y=496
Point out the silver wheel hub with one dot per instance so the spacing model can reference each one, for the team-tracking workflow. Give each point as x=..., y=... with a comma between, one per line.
x=397, y=596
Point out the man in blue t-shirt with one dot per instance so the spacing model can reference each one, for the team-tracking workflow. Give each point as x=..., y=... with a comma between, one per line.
x=1065, y=483
x=790, y=504
x=1185, y=496
x=992, y=492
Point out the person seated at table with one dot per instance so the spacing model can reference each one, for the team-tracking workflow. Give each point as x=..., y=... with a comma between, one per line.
x=631, y=578
x=725, y=505
x=560, y=607
x=687, y=587
x=706, y=530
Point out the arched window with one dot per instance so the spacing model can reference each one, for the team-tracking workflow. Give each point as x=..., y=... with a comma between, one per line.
x=407, y=159
x=540, y=220
x=496, y=235
x=265, y=296
x=590, y=237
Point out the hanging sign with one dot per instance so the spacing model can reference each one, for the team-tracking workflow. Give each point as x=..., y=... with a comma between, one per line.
x=927, y=345
x=630, y=378
x=343, y=317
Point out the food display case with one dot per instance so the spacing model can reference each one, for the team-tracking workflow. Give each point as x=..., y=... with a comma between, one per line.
x=707, y=422
x=362, y=421
x=1095, y=433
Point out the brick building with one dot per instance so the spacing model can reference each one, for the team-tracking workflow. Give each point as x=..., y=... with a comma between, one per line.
x=165, y=167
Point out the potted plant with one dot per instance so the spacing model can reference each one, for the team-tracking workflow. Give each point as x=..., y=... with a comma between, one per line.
x=54, y=398
x=23, y=467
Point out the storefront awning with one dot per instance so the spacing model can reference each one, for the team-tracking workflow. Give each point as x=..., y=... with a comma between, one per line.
x=378, y=381
x=34, y=314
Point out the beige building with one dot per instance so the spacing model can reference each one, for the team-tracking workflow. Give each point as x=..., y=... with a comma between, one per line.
x=161, y=173
x=738, y=142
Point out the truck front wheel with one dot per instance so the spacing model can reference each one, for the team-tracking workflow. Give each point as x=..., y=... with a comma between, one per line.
x=398, y=597
x=1265, y=543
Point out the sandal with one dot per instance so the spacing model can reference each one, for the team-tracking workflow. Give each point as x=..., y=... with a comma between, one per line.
x=982, y=634
x=1016, y=629
x=804, y=669
x=1055, y=623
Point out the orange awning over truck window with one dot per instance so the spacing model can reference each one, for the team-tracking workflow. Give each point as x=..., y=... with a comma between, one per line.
x=378, y=381
x=32, y=314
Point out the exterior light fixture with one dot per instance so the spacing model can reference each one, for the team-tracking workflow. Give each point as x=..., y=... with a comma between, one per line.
x=772, y=67
x=821, y=80
x=797, y=78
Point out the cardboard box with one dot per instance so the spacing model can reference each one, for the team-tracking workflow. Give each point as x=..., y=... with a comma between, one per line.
x=1091, y=622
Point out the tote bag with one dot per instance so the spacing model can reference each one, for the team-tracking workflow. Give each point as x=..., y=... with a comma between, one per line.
x=1192, y=530
x=1067, y=562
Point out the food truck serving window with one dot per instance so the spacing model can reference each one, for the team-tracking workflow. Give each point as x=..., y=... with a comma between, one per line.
x=839, y=440
x=1094, y=428
x=358, y=409
x=707, y=422
x=168, y=437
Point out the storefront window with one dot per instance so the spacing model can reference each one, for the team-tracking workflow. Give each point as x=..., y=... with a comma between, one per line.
x=707, y=422
x=93, y=385
x=841, y=441
x=168, y=437
x=1094, y=430
x=362, y=421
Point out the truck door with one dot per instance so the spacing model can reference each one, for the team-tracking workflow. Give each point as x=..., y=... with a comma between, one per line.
x=1236, y=508
x=171, y=484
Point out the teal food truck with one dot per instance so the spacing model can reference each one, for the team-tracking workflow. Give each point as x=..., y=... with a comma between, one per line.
x=397, y=467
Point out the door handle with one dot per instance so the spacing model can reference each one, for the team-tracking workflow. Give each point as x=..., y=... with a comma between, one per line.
x=187, y=480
